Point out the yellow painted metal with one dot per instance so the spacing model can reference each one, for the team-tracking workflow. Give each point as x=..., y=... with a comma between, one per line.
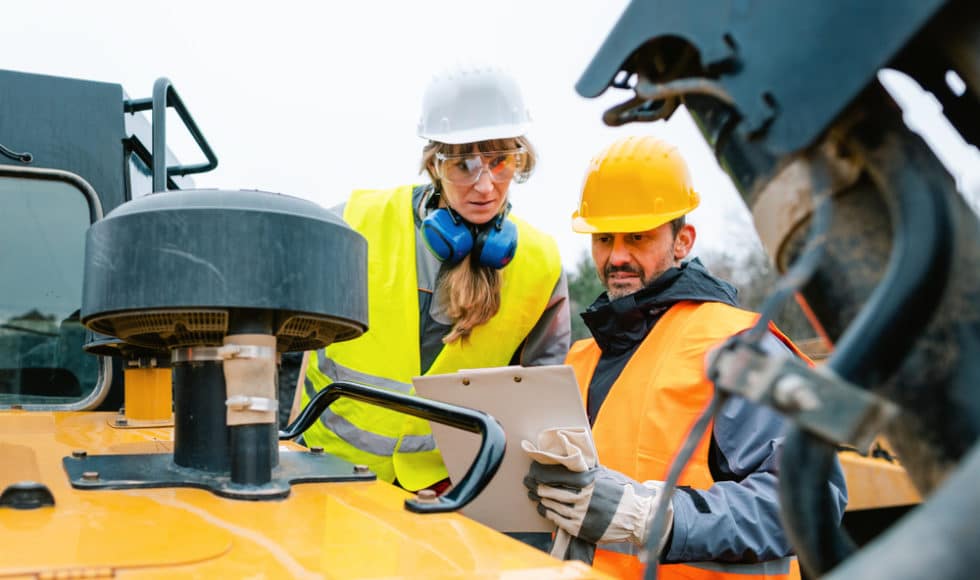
x=148, y=394
x=323, y=530
x=876, y=483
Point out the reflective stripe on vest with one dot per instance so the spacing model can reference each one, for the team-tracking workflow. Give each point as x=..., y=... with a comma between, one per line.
x=338, y=372
x=365, y=440
x=771, y=568
x=649, y=410
x=388, y=354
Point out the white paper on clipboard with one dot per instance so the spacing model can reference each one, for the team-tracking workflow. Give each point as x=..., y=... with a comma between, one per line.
x=526, y=401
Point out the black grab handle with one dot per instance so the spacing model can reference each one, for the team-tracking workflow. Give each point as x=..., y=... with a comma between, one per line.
x=165, y=95
x=481, y=471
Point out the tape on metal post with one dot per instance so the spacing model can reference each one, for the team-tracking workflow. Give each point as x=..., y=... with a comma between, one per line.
x=246, y=403
x=221, y=353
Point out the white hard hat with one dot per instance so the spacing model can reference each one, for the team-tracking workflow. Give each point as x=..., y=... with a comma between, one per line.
x=472, y=103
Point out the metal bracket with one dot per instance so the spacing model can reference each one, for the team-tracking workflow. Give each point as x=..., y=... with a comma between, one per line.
x=25, y=157
x=818, y=400
x=225, y=352
x=246, y=403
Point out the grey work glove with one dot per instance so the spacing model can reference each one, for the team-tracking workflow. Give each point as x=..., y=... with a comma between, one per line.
x=572, y=448
x=599, y=505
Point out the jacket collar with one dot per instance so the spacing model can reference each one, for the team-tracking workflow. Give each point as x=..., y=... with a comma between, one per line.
x=620, y=325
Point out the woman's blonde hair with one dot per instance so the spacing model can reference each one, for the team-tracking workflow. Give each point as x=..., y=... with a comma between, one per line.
x=470, y=293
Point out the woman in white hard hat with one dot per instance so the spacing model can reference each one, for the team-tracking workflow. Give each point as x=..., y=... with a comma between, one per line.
x=456, y=281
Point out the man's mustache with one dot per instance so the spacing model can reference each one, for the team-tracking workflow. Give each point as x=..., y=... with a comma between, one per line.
x=627, y=269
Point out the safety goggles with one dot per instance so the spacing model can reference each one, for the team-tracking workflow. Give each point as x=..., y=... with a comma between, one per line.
x=466, y=168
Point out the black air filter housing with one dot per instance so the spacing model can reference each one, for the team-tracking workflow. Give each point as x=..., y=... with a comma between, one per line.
x=103, y=345
x=170, y=270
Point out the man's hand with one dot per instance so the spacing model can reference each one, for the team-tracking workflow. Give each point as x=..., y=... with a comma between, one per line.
x=599, y=505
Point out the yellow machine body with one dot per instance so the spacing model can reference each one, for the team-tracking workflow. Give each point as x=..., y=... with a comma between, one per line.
x=876, y=483
x=322, y=530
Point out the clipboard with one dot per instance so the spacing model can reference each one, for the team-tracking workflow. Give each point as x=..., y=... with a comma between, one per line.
x=525, y=400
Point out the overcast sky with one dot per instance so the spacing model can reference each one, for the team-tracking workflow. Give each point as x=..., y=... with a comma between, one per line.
x=317, y=99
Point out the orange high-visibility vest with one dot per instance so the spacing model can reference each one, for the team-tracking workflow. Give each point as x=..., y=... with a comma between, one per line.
x=648, y=412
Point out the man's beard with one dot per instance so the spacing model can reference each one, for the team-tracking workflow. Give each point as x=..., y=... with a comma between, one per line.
x=644, y=279
x=615, y=292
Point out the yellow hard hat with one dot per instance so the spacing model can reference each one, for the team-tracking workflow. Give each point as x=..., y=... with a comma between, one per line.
x=634, y=185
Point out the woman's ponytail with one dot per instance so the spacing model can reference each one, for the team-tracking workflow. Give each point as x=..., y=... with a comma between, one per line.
x=470, y=295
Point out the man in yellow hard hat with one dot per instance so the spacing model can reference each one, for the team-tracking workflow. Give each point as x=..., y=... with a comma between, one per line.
x=642, y=377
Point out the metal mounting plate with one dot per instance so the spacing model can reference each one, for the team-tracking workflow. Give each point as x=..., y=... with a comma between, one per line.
x=815, y=398
x=159, y=470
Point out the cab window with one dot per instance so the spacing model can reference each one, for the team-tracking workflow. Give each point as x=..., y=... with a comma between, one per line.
x=42, y=250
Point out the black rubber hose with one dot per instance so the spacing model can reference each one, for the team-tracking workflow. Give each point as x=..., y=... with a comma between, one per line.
x=659, y=520
x=811, y=511
x=875, y=343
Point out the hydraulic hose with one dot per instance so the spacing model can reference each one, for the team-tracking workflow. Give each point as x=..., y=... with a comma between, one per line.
x=810, y=510
x=683, y=456
x=884, y=331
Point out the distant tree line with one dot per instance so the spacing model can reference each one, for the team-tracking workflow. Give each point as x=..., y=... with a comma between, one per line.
x=583, y=288
x=755, y=276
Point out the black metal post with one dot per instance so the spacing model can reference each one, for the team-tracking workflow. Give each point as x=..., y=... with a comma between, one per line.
x=254, y=448
x=201, y=439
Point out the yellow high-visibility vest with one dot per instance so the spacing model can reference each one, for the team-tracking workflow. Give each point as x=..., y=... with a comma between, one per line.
x=388, y=355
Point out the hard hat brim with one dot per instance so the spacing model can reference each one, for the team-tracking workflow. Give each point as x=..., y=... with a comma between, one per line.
x=623, y=224
x=478, y=134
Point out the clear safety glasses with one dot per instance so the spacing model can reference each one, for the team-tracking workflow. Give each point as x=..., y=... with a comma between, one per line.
x=466, y=168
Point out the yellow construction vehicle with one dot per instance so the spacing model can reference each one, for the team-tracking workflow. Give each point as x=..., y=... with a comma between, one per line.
x=866, y=225
x=195, y=293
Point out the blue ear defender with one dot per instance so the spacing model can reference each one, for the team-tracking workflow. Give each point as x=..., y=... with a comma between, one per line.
x=447, y=235
x=495, y=245
x=450, y=238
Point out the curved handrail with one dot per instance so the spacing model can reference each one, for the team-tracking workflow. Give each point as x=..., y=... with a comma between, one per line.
x=488, y=458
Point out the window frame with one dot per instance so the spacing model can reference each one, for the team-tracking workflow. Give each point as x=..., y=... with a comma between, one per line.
x=101, y=390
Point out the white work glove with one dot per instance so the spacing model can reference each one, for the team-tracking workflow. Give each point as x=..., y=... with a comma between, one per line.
x=599, y=505
x=573, y=449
